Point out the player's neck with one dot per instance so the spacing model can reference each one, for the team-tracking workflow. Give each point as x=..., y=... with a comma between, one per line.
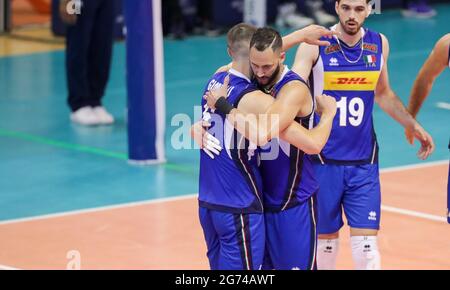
x=241, y=66
x=349, y=39
x=276, y=79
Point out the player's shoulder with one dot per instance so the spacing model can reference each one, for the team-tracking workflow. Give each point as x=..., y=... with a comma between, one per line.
x=376, y=34
x=216, y=81
x=307, y=50
x=444, y=41
x=441, y=50
x=293, y=84
x=383, y=39
x=220, y=75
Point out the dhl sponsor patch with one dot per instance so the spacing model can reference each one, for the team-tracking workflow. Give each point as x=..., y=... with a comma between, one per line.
x=351, y=81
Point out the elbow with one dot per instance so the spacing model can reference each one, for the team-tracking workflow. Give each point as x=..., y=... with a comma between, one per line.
x=262, y=139
x=314, y=148
x=262, y=143
x=312, y=151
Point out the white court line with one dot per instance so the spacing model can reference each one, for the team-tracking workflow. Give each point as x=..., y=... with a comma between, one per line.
x=184, y=197
x=3, y=267
x=101, y=208
x=414, y=166
x=442, y=105
x=413, y=213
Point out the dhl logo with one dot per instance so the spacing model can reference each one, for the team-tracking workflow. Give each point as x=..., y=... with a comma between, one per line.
x=351, y=81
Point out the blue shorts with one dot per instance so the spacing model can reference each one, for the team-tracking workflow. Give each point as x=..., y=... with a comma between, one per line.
x=291, y=238
x=355, y=189
x=234, y=241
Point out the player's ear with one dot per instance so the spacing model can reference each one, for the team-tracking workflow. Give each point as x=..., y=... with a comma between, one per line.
x=230, y=53
x=336, y=7
x=283, y=56
x=369, y=9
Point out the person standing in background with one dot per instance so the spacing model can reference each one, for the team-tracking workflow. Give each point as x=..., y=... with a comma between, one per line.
x=417, y=9
x=290, y=16
x=89, y=43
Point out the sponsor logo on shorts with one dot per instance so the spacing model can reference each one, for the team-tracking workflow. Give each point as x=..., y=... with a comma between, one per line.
x=372, y=216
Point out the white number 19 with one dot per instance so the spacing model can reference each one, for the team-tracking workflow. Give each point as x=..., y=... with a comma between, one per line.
x=355, y=108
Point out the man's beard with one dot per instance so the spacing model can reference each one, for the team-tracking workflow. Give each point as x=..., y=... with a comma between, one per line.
x=348, y=30
x=271, y=81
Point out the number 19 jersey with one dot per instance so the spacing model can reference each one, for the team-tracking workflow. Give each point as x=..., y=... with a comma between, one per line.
x=350, y=75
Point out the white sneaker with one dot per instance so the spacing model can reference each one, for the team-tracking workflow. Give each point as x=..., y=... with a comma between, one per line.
x=323, y=18
x=84, y=116
x=103, y=116
x=287, y=16
x=297, y=21
x=315, y=9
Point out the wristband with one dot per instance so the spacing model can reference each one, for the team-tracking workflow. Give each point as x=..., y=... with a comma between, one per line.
x=223, y=106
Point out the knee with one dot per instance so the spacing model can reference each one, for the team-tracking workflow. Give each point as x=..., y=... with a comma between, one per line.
x=331, y=236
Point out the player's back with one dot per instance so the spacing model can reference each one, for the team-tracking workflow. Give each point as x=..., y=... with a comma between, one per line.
x=288, y=176
x=231, y=182
x=350, y=74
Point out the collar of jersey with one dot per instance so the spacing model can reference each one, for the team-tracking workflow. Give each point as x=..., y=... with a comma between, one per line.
x=238, y=74
x=285, y=71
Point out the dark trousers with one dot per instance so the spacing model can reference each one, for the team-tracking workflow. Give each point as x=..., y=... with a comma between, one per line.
x=88, y=53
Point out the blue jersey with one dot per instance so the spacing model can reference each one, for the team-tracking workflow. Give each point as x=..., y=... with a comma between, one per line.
x=231, y=182
x=288, y=177
x=350, y=75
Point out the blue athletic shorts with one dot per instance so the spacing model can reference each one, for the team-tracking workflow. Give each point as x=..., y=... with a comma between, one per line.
x=291, y=238
x=234, y=241
x=355, y=189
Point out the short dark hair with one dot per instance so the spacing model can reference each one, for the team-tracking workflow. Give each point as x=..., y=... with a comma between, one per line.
x=238, y=38
x=367, y=1
x=266, y=37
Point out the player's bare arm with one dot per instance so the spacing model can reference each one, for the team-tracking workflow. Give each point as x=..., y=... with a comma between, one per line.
x=276, y=118
x=433, y=67
x=253, y=119
x=392, y=105
x=310, y=141
x=309, y=35
x=326, y=107
x=304, y=60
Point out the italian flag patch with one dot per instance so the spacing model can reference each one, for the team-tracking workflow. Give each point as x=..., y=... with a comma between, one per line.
x=370, y=59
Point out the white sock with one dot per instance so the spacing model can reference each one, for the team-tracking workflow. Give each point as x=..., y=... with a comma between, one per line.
x=366, y=255
x=327, y=251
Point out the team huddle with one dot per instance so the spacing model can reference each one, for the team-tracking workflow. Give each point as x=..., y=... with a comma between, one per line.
x=284, y=151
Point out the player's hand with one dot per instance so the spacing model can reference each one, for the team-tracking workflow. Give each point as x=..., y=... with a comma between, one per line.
x=313, y=33
x=426, y=141
x=210, y=144
x=67, y=18
x=207, y=142
x=212, y=96
x=326, y=105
